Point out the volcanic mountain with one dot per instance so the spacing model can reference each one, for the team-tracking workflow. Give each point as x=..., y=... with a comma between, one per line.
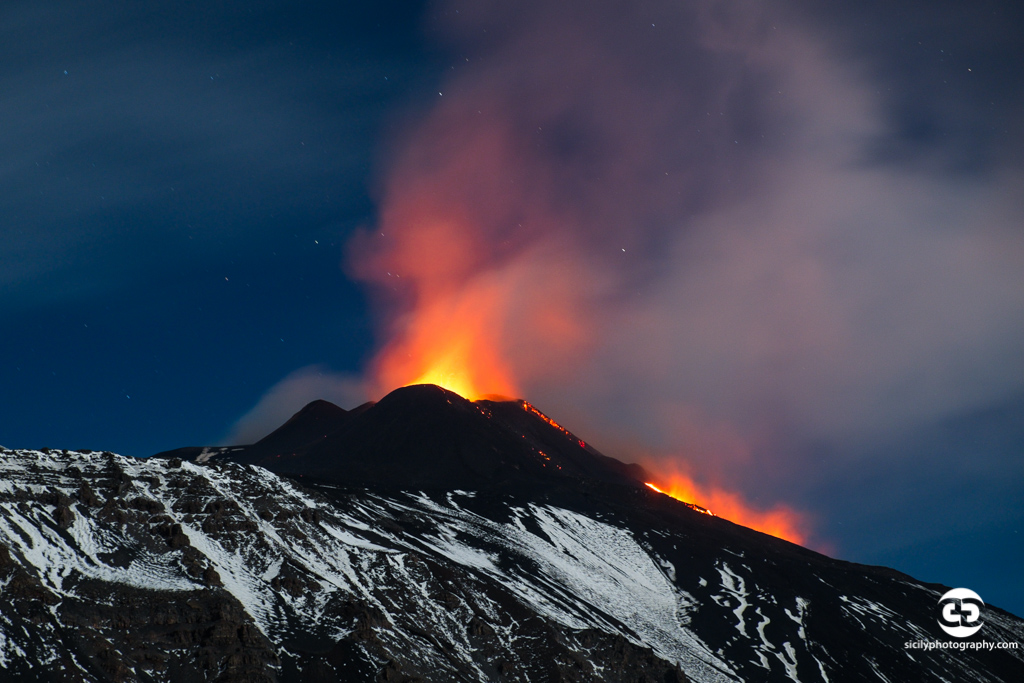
x=429, y=538
x=425, y=437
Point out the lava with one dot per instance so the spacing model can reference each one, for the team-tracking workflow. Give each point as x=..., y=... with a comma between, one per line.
x=780, y=521
x=529, y=407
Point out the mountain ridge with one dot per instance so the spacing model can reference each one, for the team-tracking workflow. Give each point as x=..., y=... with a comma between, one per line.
x=204, y=564
x=429, y=437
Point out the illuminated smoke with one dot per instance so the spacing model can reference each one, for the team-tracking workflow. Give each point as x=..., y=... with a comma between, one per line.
x=781, y=520
x=662, y=220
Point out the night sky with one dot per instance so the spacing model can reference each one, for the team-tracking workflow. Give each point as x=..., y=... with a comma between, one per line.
x=777, y=245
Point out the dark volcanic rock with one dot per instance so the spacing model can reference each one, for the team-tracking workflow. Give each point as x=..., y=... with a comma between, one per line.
x=428, y=438
x=427, y=538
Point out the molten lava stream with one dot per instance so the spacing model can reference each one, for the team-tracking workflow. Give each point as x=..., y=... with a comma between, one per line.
x=781, y=521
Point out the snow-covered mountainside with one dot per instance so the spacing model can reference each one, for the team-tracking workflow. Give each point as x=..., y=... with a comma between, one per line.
x=164, y=569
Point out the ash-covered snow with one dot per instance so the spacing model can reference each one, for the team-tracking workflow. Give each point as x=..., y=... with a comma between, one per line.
x=426, y=576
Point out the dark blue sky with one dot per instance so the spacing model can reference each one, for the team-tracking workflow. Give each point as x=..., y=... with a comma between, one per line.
x=790, y=234
x=178, y=184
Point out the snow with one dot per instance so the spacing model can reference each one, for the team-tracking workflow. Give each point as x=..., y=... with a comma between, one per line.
x=760, y=628
x=588, y=575
x=801, y=606
x=273, y=570
x=874, y=667
x=788, y=660
x=821, y=669
x=575, y=570
x=668, y=567
x=734, y=587
x=8, y=648
x=55, y=559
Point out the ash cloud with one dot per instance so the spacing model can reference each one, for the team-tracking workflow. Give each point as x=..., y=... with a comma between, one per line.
x=727, y=269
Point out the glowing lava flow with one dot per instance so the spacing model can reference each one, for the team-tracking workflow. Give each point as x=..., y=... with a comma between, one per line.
x=780, y=521
x=528, y=407
x=694, y=506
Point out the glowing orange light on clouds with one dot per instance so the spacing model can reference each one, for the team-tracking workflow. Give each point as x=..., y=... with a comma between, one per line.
x=456, y=335
x=471, y=258
x=478, y=334
x=780, y=521
x=487, y=294
x=454, y=342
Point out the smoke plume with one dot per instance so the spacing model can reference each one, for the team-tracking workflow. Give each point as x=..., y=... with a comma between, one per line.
x=670, y=222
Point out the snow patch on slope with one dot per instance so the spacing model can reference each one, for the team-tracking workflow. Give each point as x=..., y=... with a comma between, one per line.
x=581, y=573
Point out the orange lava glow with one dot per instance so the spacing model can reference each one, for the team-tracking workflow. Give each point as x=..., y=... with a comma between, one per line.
x=481, y=300
x=486, y=294
x=453, y=342
x=529, y=407
x=780, y=521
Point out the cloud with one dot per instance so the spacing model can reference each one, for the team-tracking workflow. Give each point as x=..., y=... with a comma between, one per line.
x=289, y=396
x=696, y=195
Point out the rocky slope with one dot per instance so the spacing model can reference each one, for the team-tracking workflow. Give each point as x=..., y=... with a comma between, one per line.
x=167, y=569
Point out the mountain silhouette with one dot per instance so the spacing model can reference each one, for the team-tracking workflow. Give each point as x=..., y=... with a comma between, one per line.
x=429, y=538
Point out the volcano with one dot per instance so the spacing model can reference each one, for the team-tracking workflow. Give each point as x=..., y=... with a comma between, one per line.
x=429, y=538
x=428, y=438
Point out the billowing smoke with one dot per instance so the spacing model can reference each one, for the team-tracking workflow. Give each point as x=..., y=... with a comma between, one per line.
x=694, y=233
x=670, y=222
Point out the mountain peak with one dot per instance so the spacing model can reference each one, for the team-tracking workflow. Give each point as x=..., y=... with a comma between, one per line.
x=426, y=437
x=462, y=535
